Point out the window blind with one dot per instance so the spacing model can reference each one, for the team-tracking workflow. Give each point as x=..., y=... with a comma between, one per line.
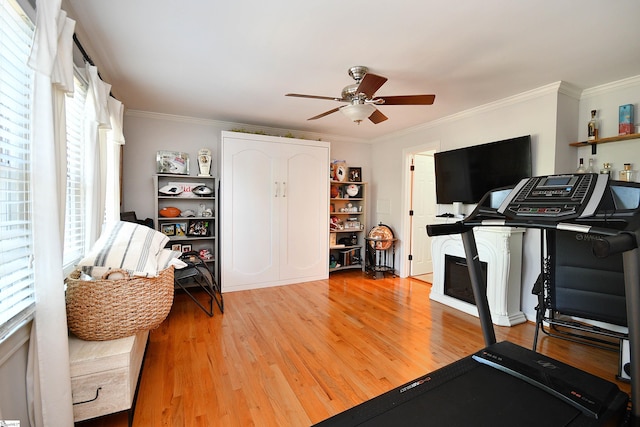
x=16, y=241
x=74, y=234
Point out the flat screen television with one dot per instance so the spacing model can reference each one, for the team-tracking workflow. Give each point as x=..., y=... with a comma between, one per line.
x=466, y=174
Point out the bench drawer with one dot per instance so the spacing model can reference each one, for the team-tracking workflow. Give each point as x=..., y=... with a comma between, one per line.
x=104, y=374
x=99, y=394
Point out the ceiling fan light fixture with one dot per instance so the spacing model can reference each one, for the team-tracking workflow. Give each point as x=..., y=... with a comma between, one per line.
x=357, y=112
x=361, y=98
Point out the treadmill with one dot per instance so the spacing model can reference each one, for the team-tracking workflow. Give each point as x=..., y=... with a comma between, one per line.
x=505, y=384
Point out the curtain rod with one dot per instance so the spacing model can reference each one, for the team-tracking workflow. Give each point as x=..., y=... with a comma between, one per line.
x=87, y=58
x=84, y=53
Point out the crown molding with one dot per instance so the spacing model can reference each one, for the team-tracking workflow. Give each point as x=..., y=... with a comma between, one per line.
x=570, y=90
x=611, y=87
x=224, y=125
x=552, y=88
x=176, y=118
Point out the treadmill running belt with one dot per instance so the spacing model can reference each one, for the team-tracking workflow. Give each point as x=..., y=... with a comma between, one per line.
x=469, y=393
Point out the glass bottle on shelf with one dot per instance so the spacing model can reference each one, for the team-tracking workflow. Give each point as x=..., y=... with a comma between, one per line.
x=591, y=168
x=606, y=169
x=592, y=127
x=581, y=168
x=626, y=174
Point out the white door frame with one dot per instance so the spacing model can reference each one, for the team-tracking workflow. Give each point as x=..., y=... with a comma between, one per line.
x=405, y=264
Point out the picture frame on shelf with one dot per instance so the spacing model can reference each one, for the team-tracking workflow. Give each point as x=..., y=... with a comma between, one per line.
x=198, y=228
x=352, y=224
x=355, y=174
x=172, y=162
x=169, y=229
x=187, y=248
x=181, y=229
x=176, y=247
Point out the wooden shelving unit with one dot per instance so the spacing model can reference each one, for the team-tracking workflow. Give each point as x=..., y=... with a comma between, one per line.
x=181, y=234
x=351, y=213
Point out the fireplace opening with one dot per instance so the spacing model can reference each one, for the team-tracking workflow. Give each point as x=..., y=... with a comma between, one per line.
x=457, y=283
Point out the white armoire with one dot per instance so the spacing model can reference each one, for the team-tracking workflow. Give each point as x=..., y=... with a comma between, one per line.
x=274, y=216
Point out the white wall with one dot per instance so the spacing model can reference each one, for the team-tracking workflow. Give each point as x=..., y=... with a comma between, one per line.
x=146, y=133
x=356, y=155
x=606, y=100
x=532, y=113
x=13, y=371
x=566, y=129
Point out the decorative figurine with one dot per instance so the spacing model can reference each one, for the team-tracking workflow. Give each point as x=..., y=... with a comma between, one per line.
x=204, y=162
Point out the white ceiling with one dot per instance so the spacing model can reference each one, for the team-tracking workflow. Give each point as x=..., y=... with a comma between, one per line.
x=234, y=60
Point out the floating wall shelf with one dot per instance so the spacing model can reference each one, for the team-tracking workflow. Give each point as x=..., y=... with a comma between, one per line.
x=594, y=143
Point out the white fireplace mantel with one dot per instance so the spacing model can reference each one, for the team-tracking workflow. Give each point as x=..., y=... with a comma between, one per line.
x=501, y=249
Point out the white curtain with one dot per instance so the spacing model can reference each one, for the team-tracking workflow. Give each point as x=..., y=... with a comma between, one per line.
x=97, y=123
x=115, y=141
x=48, y=376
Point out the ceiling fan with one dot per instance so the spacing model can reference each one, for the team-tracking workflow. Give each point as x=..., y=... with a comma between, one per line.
x=361, y=100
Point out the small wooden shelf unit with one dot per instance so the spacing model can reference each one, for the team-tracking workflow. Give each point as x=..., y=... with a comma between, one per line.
x=352, y=213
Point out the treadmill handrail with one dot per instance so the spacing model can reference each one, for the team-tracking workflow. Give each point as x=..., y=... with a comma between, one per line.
x=611, y=245
x=463, y=225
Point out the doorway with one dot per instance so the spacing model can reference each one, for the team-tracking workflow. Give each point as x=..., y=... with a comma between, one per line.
x=422, y=209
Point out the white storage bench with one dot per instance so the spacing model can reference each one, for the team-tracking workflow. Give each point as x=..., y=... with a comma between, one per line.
x=104, y=375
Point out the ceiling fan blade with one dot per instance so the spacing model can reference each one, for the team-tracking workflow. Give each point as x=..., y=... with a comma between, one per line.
x=326, y=113
x=298, y=95
x=377, y=117
x=370, y=84
x=408, y=99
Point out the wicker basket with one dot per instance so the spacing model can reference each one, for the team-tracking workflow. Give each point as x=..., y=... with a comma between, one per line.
x=103, y=309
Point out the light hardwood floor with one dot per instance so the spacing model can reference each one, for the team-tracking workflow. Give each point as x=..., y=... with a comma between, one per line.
x=295, y=355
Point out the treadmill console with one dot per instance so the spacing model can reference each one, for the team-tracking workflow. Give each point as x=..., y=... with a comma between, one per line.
x=555, y=197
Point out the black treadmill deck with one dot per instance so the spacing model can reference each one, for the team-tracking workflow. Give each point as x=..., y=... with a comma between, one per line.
x=472, y=392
